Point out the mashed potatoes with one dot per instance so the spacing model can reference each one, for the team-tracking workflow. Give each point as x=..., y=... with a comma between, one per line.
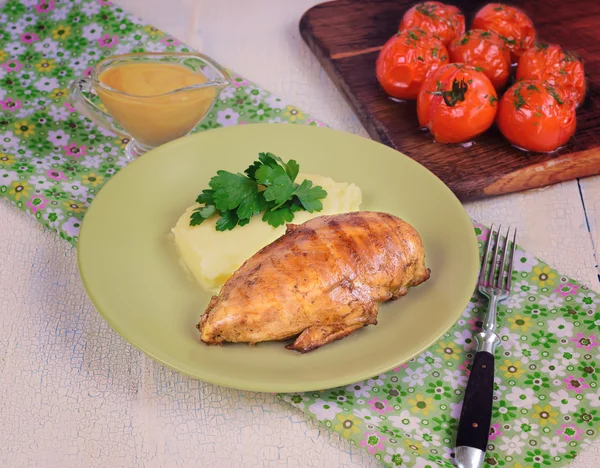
x=212, y=256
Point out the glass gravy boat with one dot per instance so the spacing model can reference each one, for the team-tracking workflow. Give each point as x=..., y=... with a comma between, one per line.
x=147, y=119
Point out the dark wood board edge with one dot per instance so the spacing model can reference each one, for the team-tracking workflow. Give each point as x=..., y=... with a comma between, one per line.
x=553, y=171
x=377, y=132
x=560, y=169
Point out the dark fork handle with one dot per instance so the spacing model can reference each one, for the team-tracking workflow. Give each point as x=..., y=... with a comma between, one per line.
x=476, y=414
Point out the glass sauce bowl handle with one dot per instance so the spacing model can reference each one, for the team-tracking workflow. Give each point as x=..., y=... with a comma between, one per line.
x=89, y=109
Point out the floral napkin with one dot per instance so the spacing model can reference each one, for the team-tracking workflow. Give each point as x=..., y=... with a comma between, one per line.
x=546, y=395
x=53, y=161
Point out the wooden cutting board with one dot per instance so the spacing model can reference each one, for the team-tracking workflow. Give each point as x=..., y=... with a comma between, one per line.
x=346, y=36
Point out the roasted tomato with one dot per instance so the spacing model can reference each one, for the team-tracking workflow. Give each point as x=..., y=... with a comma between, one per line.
x=444, y=21
x=513, y=26
x=405, y=61
x=457, y=103
x=536, y=116
x=552, y=63
x=486, y=50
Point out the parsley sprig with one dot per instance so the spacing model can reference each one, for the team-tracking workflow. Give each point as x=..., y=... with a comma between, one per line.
x=268, y=186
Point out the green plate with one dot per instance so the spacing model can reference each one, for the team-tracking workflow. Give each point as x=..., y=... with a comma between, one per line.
x=131, y=272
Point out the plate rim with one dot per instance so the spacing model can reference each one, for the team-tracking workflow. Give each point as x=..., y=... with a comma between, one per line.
x=267, y=387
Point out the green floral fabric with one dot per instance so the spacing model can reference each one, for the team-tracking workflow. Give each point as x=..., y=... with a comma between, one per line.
x=53, y=161
x=546, y=397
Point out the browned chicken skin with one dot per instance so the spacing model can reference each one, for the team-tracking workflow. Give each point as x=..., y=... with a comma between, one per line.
x=321, y=280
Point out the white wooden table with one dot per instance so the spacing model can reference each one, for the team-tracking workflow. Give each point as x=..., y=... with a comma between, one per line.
x=73, y=393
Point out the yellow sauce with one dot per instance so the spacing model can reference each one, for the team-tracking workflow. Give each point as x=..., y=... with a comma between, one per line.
x=147, y=111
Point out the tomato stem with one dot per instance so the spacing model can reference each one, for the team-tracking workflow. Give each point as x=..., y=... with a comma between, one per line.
x=456, y=94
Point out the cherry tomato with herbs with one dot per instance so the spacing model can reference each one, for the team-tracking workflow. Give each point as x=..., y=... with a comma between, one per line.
x=511, y=23
x=486, y=50
x=444, y=21
x=405, y=61
x=457, y=103
x=536, y=116
x=560, y=68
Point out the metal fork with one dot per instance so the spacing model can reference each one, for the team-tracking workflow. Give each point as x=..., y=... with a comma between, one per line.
x=476, y=415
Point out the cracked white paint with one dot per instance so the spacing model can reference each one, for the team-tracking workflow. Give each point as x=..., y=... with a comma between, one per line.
x=73, y=393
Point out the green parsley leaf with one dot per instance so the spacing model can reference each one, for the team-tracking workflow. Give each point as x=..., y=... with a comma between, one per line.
x=227, y=221
x=281, y=189
x=266, y=175
x=292, y=168
x=196, y=219
x=207, y=211
x=201, y=214
x=229, y=190
x=296, y=205
x=279, y=185
x=310, y=196
x=251, y=171
x=279, y=216
x=236, y=198
x=205, y=197
x=252, y=205
x=269, y=159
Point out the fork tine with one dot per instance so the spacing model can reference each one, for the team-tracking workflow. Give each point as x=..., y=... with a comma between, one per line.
x=511, y=259
x=490, y=280
x=486, y=254
x=500, y=279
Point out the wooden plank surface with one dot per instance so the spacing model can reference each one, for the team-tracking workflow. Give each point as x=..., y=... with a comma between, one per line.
x=346, y=36
x=590, y=196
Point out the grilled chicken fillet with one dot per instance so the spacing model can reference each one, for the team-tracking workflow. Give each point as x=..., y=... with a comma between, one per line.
x=318, y=282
